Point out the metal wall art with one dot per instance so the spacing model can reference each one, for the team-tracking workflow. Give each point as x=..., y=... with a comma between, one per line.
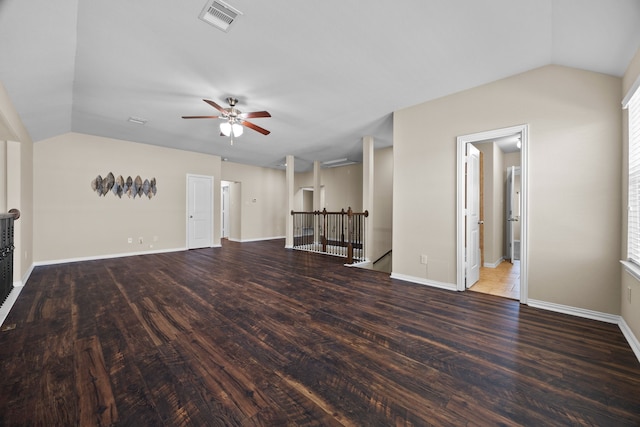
x=119, y=186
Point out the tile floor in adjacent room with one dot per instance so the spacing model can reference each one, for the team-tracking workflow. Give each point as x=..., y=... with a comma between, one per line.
x=504, y=280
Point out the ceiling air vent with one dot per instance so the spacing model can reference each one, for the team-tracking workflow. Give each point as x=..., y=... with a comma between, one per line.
x=219, y=14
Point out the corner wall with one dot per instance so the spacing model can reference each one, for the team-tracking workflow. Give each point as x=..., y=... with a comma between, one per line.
x=574, y=181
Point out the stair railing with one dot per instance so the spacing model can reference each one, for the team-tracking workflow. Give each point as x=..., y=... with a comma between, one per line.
x=334, y=233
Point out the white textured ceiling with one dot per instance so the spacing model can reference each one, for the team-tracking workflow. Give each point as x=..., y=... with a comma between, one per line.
x=329, y=72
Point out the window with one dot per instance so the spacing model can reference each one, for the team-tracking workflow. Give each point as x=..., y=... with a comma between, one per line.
x=632, y=103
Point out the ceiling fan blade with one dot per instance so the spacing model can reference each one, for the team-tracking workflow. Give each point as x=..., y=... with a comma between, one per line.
x=255, y=127
x=200, y=117
x=254, y=115
x=216, y=106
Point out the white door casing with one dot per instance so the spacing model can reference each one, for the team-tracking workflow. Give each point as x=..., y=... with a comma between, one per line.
x=462, y=141
x=473, y=216
x=199, y=211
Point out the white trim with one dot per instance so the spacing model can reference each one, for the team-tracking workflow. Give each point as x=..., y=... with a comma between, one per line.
x=634, y=87
x=631, y=338
x=421, y=281
x=5, y=308
x=575, y=311
x=495, y=264
x=367, y=265
x=593, y=315
x=259, y=239
x=524, y=217
x=26, y=276
x=107, y=256
x=632, y=269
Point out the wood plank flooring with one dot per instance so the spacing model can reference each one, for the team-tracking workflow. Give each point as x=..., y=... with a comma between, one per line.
x=253, y=334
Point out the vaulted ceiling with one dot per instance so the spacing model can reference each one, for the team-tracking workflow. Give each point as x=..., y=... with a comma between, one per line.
x=329, y=72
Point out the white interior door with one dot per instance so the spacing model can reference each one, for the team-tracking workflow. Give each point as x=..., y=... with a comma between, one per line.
x=510, y=191
x=225, y=211
x=199, y=211
x=473, y=216
x=513, y=213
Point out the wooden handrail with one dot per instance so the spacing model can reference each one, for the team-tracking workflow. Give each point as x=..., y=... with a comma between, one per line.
x=385, y=254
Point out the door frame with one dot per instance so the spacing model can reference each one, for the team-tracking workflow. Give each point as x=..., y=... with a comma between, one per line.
x=462, y=141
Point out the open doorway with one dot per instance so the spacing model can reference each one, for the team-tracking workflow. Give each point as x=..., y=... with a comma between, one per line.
x=504, y=215
x=225, y=207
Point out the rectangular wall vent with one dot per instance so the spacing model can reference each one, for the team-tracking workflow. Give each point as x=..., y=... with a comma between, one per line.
x=219, y=14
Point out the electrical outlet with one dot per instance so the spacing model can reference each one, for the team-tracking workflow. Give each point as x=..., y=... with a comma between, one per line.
x=423, y=259
x=130, y=240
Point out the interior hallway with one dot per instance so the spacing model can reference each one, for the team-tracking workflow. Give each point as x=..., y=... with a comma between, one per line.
x=504, y=280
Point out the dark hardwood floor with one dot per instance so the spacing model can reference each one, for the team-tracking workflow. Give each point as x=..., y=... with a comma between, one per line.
x=253, y=334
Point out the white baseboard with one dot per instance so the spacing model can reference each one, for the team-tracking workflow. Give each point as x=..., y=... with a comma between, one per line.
x=593, y=315
x=575, y=311
x=259, y=239
x=495, y=264
x=5, y=308
x=368, y=265
x=421, y=281
x=26, y=275
x=631, y=338
x=107, y=256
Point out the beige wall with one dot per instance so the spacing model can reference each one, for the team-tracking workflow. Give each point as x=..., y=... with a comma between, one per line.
x=342, y=187
x=259, y=199
x=235, y=211
x=630, y=310
x=574, y=181
x=17, y=183
x=382, y=200
x=301, y=180
x=73, y=222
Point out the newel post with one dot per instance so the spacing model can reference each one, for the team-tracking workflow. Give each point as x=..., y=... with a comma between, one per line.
x=350, y=236
x=324, y=229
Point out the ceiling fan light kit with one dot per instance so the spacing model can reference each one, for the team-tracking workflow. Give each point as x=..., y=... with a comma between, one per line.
x=229, y=129
x=233, y=119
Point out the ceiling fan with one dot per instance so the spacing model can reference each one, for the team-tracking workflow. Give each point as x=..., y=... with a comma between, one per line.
x=234, y=119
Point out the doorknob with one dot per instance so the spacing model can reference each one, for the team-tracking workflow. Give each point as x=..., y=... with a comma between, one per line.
x=190, y=216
